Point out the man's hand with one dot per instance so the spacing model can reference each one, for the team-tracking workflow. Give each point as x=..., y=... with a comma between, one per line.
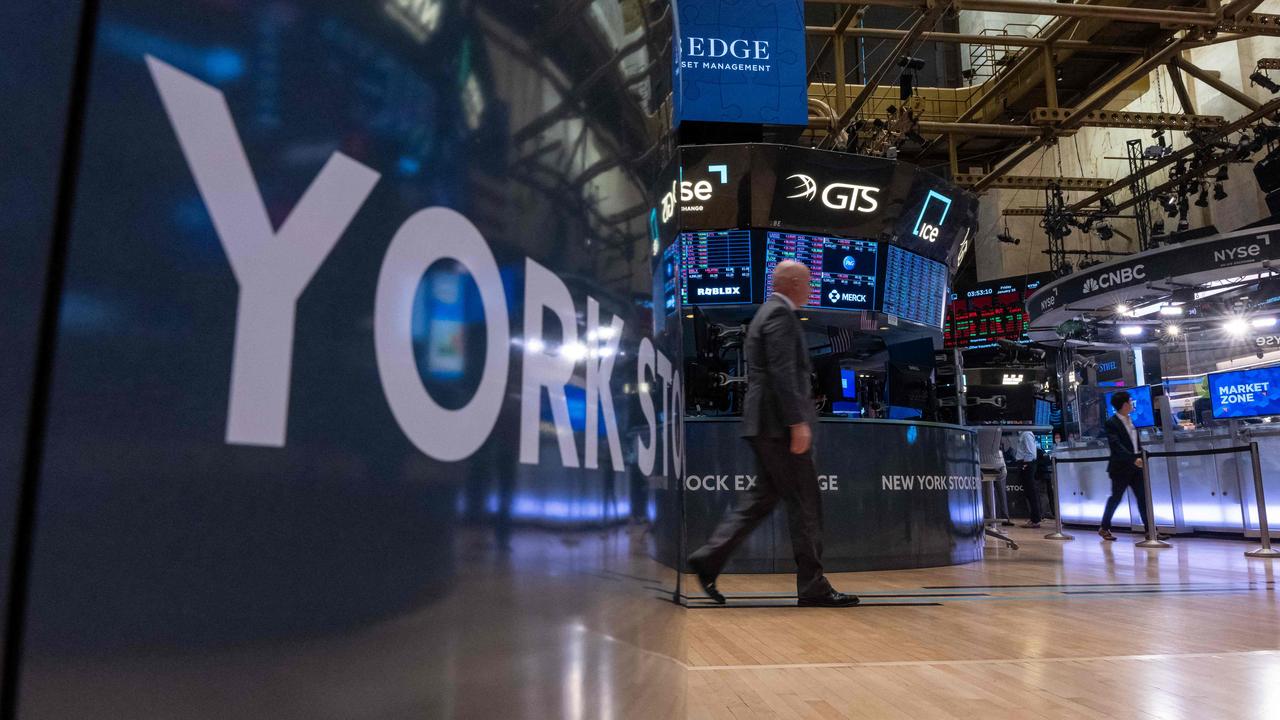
x=1138, y=462
x=801, y=438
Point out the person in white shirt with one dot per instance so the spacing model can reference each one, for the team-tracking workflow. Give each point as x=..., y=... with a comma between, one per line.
x=1024, y=452
x=1125, y=464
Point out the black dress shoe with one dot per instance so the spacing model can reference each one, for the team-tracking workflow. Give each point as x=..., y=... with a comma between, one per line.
x=707, y=581
x=831, y=599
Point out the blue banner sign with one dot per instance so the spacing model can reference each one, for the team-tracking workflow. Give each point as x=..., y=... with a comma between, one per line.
x=740, y=61
x=1245, y=393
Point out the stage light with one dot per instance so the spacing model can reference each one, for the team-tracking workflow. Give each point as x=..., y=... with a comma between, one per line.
x=1260, y=78
x=1172, y=330
x=1263, y=322
x=1130, y=330
x=1105, y=231
x=1171, y=310
x=1170, y=204
x=1157, y=227
x=1221, y=174
x=1203, y=199
x=1236, y=326
x=1218, y=192
x=1123, y=309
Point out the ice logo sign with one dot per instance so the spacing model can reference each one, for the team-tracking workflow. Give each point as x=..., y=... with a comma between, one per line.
x=926, y=227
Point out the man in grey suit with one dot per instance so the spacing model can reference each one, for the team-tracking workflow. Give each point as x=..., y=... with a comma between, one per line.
x=777, y=420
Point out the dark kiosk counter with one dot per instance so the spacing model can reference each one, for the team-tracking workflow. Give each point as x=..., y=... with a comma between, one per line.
x=895, y=494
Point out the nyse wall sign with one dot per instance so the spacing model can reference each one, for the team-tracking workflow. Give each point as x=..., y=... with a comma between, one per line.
x=740, y=61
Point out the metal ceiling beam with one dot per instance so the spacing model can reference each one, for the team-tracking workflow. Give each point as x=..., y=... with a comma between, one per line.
x=970, y=39
x=1118, y=84
x=1010, y=163
x=1269, y=108
x=1032, y=182
x=1180, y=89
x=1126, y=119
x=1216, y=84
x=923, y=20
x=1177, y=18
x=980, y=129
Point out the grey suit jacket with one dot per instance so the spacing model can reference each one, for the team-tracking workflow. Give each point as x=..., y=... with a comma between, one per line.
x=778, y=388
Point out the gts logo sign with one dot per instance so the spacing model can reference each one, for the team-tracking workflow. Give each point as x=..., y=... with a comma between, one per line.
x=837, y=196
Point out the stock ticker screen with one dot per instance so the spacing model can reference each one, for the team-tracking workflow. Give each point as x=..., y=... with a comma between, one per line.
x=991, y=311
x=715, y=267
x=844, y=270
x=915, y=287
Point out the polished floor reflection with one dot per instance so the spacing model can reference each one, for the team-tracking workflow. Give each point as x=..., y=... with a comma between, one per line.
x=1083, y=629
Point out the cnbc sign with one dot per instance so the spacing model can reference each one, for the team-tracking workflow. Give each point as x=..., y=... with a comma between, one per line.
x=740, y=62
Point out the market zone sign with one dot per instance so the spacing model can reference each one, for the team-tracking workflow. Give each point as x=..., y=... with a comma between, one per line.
x=273, y=268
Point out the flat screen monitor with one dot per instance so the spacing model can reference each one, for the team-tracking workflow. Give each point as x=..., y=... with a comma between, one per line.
x=715, y=267
x=1245, y=393
x=844, y=270
x=1044, y=412
x=915, y=287
x=1000, y=405
x=1144, y=414
x=990, y=311
x=849, y=384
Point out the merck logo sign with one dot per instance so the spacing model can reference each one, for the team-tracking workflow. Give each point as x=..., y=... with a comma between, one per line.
x=837, y=196
x=1115, y=278
x=715, y=48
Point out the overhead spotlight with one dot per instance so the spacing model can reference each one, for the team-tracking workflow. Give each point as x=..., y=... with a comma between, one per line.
x=1236, y=326
x=1183, y=224
x=1008, y=239
x=1104, y=230
x=1263, y=322
x=1179, y=169
x=1108, y=207
x=1172, y=330
x=1157, y=227
x=1130, y=330
x=1221, y=174
x=910, y=63
x=1203, y=199
x=1218, y=192
x=1260, y=78
x=1122, y=309
x=1155, y=152
x=1171, y=310
x=1244, y=147
x=1170, y=204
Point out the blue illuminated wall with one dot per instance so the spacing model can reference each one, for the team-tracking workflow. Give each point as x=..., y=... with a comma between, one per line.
x=741, y=61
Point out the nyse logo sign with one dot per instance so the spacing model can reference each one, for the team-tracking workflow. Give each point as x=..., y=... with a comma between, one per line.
x=274, y=265
x=1115, y=278
x=837, y=196
x=1241, y=253
x=689, y=191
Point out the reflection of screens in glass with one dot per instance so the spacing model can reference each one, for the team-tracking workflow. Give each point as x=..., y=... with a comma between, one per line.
x=1143, y=413
x=1043, y=414
x=844, y=270
x=915, y=288
x=446, y=326
x=849, y=384
x=1245, y=393
x=715, y=267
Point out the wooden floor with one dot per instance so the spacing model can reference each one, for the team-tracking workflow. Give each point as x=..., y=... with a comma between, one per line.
x=1081, y=629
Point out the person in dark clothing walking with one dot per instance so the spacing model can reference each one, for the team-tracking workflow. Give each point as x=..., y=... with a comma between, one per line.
x=777, y=421
x=1125, y=464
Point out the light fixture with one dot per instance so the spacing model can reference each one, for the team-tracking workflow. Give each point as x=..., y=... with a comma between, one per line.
x=1203, y=199
x=1172, y=330
x=1221, y=174
x=1263, y=322
x=1130, y=330
x=1260, y=78
x=1122, y=309
x=1104, y=230
x=573, y=351
x=1171, y=310
x=1236, y=326
x=804, y=318
x=690, y=316
x=1218, y=192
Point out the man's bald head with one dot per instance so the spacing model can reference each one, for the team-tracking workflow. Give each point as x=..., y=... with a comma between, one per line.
x=792, y=279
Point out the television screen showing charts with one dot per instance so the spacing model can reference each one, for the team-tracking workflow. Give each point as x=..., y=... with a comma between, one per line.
x=915, y=288
x=844, y=270
x=991, y=311
x=715, y=267
x=1245, y=393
